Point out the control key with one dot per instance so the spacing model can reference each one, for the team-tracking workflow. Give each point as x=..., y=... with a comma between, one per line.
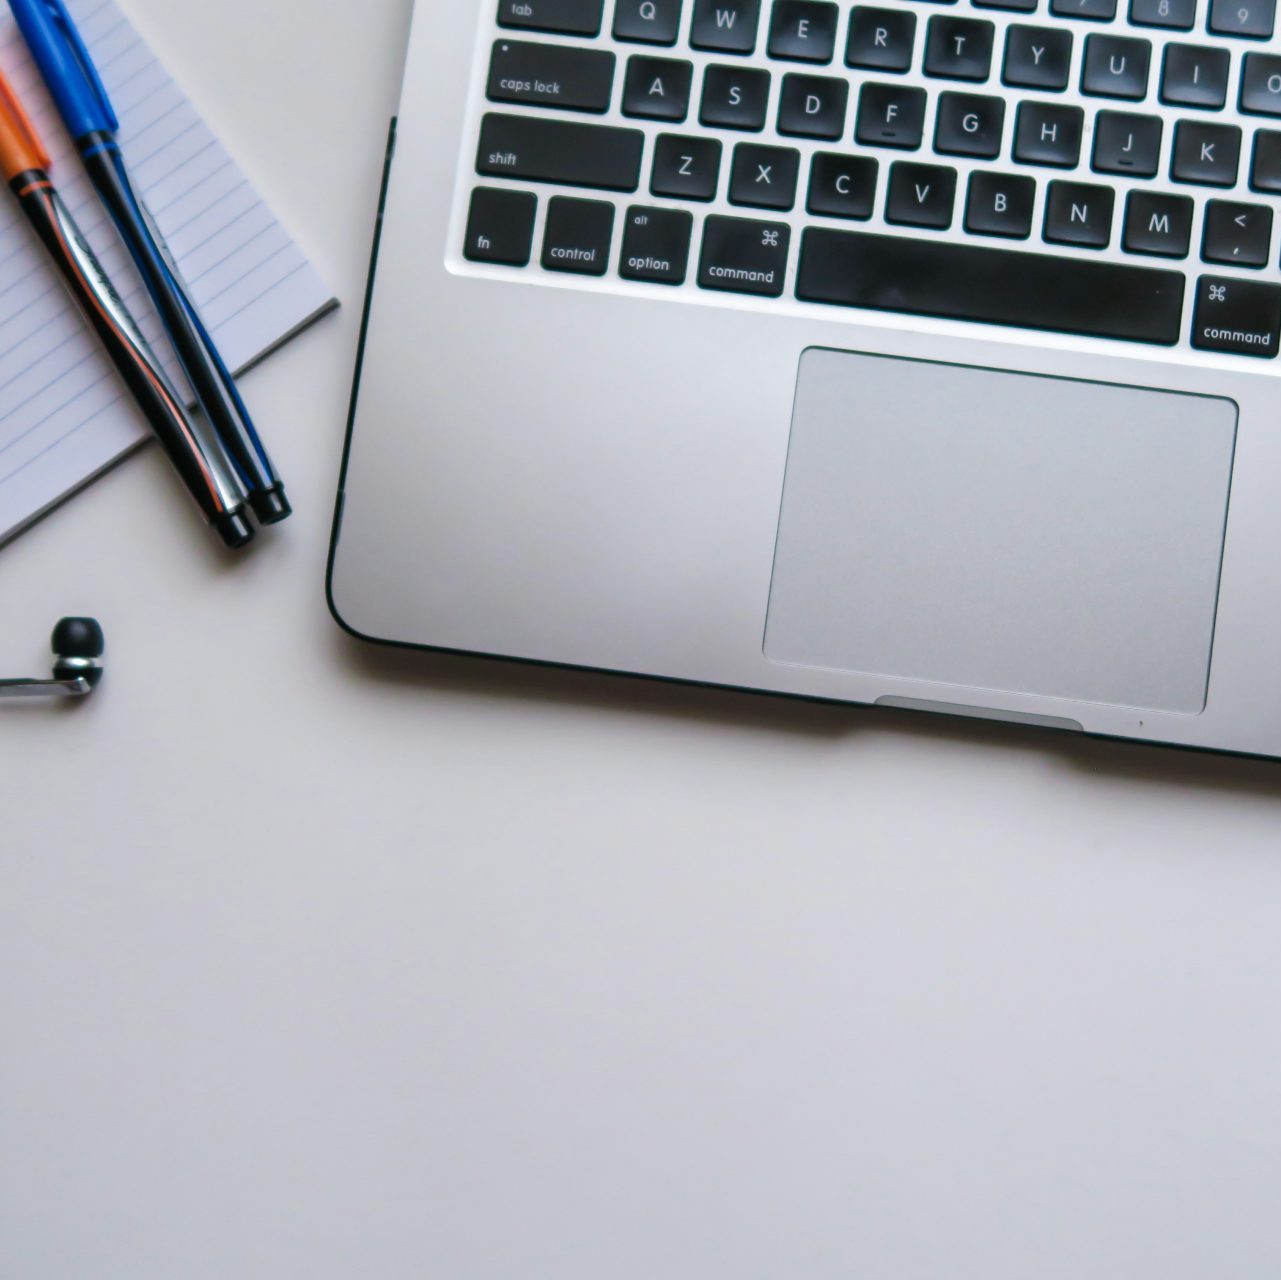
x=1237, y=317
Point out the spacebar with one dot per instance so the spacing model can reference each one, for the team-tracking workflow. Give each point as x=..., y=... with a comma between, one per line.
x=993, y=286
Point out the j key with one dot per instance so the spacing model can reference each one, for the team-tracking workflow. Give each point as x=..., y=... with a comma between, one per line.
x=563, y=17
x=743, y=255
x=1000, y=204
x=1079, y=214
x=959, y=48
x=1125, y=143
x=1206, y=154
x=1092, y=10
x=1261, y=84
x=1239, y=317
x=764, y=177
x=735, y=98
x=803, y=30
x=1116, y=67
x=969, y=125
x=1265, y=164
x=574, y=155
x=1238, y=235
x=685, y=168
x=578, y=236
x=842, y=186
x=813, y=106
x=655, y=245
x=1250, y=18
x=725, y=26
x=890, y=116
x=992, y=286
x=1048, y=134
x=1156, y=224
x=500, y=226
x=1037, y=57
x=1176, y=15
x=647, y=21
x=921, y=195
x=549, y=75
x=657, y=88
x=880, y=39
x=1195, y=76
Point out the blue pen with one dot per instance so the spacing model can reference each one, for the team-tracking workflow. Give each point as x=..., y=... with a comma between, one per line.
x=82, y=101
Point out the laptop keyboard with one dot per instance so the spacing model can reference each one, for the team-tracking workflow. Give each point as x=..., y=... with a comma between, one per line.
x=1104, y=168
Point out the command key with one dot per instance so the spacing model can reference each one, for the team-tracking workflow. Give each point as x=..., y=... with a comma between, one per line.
x=1237, y=317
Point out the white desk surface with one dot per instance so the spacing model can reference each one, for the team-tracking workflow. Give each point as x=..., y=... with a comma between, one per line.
x=263, y=895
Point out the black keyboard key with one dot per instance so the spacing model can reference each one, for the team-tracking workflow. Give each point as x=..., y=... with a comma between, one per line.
x=1250, y=18
x=880, y=39
x=764, y=177
x=1261, y=84
x=561, y=17
x=1158, y=225
x=921, y=195
x=1014, y=6
x=575, y=155
x=1265, y=164
x=1237, y=317
x=685, y=168
x=992, y=286
x=1237, y=235
x=1000, y=204
x=959, y=48
x=657, y=88
x=1116, y=67
x=735, y=98
x=1090, y=10
x=1195, y=76
x=655, y=245
x=1037, y=57
x=842, y=186
x=812, y=106
x=1048, y=134
x=1206, y=154
x=647, y=21
x=1079, y=214
x=578, y=236
x=1126, y=144
x=1175, y=15
x=969, y=124
x=803, y=30
x=550, y=75
x=744, y=255
x=890, y=115
x=500, y=226
x=725, y=26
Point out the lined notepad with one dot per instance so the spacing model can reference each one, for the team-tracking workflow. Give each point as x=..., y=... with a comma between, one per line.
x=64, y=415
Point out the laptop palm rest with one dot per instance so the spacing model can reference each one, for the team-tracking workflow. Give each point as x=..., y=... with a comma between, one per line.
x=1003, y=532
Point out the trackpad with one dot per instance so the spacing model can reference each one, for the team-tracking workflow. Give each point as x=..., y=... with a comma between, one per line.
x=1001, y=531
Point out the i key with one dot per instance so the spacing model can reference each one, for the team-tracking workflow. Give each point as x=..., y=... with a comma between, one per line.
x=1194, y=76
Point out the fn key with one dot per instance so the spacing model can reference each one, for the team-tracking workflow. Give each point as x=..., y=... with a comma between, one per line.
x=500, y=227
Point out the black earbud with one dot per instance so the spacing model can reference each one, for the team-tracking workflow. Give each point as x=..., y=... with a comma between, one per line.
x=77, y=663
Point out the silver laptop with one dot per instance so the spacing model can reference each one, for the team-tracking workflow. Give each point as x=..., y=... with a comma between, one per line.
x=919, y=355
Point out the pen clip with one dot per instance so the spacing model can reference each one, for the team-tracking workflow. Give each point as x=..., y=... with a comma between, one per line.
x=21, y=123
x=60, y=18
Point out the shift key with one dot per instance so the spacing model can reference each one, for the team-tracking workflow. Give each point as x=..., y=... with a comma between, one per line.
x=744, y=255
x=562, y=151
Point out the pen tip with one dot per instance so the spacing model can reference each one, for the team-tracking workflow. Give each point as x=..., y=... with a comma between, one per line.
x=234, y=529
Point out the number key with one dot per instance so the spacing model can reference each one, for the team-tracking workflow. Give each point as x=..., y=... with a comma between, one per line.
x=1251, y=18
x=1177, y=15
x=1091, y=10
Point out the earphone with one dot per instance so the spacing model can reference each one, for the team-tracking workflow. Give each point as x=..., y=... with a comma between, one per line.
x=77, y=667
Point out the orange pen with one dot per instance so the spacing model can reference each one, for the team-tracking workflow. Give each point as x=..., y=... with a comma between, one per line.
x=25, y=164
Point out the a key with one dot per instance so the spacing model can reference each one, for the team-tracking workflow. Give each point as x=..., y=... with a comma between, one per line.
x=1037, y=57
x=657, y=88
x=1048, y=134
x=685, y=168
x=549, y=75
x=1238, y=317
x=842, y=186
x=959, y=48
x=1000, y=204
x=969, y=124
x=744, y=255
x=993, y=286
x=1261, y=84
x=578, y=235
x=1175, y=15
x=812, y=106
x=1079, y=214
x=1237, y=235
x=1116, y=67
x=735, y=98
x=1157, y=224
x=803, y=30
x=1126, y=144
x=890, y=115
x=1250, y=18
x=561, y=151
x=500, y=226
x=1206, y=154
x=561, y=17
x=880, y=39
x=725, y=26
x=655, y=245
x=1265, y=163
x=647, y=21
x=921, y=195
x=764, y=177
x=1090, y=10
x=1195, y=76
